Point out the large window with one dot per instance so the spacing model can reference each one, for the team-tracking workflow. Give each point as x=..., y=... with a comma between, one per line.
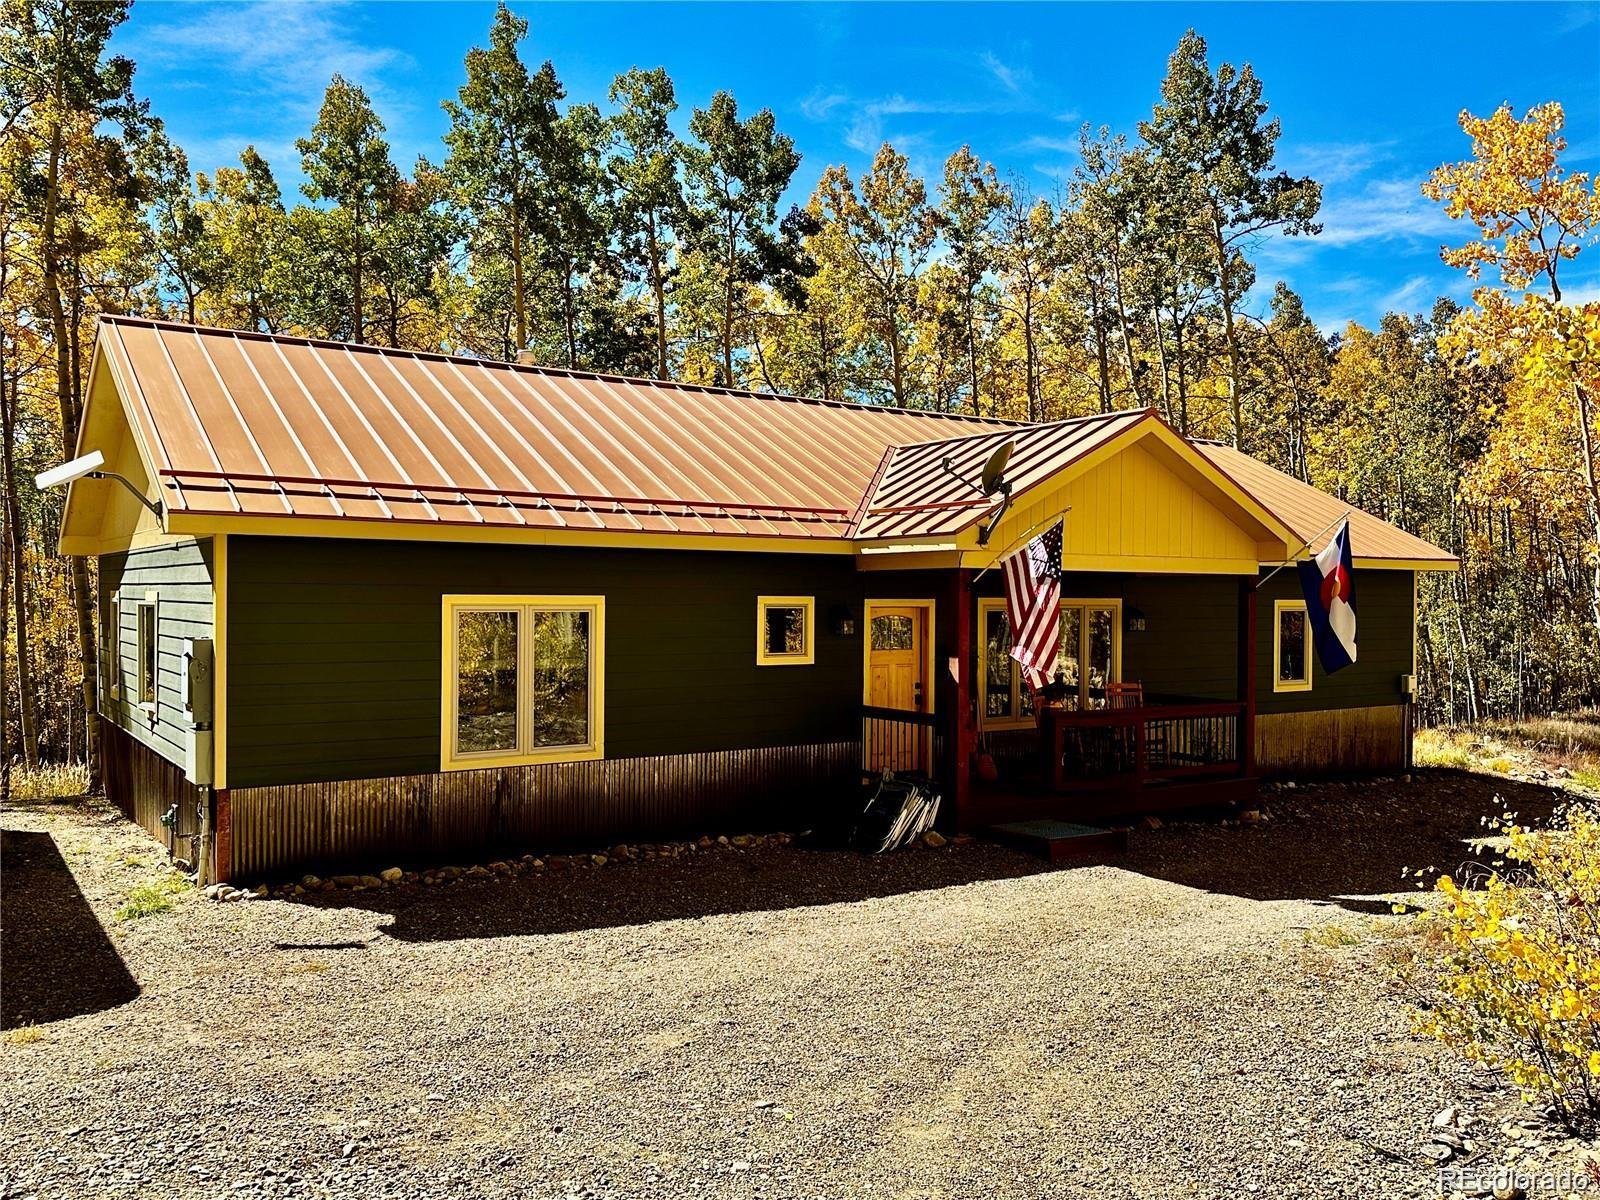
x=1089, y=657
x=1291, y=647
x=784, y=630
x=523, y=679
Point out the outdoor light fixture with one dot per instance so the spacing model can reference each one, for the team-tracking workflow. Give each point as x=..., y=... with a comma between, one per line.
x=88, y=467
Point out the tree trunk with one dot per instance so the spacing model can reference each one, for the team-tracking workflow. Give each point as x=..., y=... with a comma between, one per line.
x=66, y=372
x=1591, y=497
x=658, y=287
x=519, y=298
x=1229, y=333
x=16, y=579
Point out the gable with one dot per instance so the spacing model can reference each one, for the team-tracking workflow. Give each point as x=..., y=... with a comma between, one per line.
x=101, y=515
x=1144, y=505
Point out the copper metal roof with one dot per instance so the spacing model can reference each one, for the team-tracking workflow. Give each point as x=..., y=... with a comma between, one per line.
x=1309, y=512
x=914, y=496
x=245, y=423
x=254, y=424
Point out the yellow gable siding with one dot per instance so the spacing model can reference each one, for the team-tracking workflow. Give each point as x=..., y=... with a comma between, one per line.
x=1132, y=512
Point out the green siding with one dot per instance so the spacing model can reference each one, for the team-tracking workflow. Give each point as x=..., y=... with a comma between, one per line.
x=1383, y=646
x=1190, y=644
x=334, y=646
x=180, y=574
x=334, y=650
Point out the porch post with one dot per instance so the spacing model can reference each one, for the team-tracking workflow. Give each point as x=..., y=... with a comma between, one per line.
x=959, y=728
x=1247, y=675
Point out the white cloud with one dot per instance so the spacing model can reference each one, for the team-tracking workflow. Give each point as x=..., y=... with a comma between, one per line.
x=1014, y=79
x=1405, y=298
x=282, y=53
x=1384, y=209
x=1332, y=162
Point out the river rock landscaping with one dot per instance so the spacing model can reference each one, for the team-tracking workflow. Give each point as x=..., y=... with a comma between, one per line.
x=1210, y=1015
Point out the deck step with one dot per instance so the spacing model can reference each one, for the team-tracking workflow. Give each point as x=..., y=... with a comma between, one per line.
x=1061, y=841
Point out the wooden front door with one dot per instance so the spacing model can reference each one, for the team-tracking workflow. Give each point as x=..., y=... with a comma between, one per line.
x=897, y=679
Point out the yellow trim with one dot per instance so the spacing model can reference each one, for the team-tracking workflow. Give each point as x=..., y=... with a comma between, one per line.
x=336, y=527
x=1158, y=564
x=930, y=607
x=989, y=604
x=219, y=654
x=1279, y=684
x=450, y=604
x=807, y=656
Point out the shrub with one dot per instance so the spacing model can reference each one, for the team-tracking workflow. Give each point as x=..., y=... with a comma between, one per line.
x=1508, y=972
x=150, y=898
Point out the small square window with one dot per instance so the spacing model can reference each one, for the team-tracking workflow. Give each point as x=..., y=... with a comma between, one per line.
x=784, y=626
x=1291, y=647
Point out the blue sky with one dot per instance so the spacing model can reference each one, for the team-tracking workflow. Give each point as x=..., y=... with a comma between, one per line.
x=1368, y=93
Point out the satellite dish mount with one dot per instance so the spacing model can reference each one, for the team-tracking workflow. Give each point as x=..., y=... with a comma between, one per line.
x=992, y=482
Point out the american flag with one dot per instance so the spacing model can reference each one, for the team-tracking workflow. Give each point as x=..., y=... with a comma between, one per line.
x=1033, y=604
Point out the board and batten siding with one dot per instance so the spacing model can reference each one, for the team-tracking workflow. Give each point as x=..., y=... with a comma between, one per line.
x=180, y=574
x=335, y=650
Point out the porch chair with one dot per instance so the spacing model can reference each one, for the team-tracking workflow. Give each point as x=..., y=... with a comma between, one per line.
x=1131, y=695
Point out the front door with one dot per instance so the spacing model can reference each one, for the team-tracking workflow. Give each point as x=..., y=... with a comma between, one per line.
x=897, y=679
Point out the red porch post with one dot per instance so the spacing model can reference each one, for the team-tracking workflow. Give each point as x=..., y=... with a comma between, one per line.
x=959, y=730
x=1247, y=675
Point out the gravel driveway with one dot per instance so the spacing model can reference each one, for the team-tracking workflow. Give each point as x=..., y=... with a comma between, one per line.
x=1206, y=1017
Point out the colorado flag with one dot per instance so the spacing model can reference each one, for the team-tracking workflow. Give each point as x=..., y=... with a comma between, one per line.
x=1329, y=585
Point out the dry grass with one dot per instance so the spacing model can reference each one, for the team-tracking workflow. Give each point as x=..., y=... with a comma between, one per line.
x=52, y=781
x=1568, y=744
x=25, y=1035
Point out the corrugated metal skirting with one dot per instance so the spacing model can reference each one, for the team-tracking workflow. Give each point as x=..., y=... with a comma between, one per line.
x=143, y=785
x=431, y=817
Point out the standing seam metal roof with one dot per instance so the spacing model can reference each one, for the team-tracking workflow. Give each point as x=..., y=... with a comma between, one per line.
x=244, y=423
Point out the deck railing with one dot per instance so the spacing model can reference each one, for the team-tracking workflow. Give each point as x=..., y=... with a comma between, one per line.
x=894, y=739
x=1110, y=747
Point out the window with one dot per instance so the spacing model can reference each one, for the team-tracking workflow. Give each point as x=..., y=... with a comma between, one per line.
x=1291, y=647
x=784, y=630
x=147, y=643
x=523, y=679
x=1089, y=657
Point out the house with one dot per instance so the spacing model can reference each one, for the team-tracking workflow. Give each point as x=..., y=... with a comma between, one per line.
x=362, y=603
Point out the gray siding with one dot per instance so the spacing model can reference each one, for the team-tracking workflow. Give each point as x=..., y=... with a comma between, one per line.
x=180, y=574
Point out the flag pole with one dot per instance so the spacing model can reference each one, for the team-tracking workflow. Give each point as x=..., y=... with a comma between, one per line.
x=1017, y=541
x=1305, y=545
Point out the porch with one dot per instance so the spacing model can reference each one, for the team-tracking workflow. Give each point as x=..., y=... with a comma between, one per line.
x=1160, y=675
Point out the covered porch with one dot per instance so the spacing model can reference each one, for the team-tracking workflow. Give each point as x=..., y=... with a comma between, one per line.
x=1156, y=706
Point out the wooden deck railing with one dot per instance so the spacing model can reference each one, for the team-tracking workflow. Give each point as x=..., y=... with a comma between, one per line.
x=895, y=739
x=1112, y=747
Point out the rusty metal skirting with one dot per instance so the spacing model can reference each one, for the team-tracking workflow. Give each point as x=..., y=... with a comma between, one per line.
x=143, y=785
x=431, y=817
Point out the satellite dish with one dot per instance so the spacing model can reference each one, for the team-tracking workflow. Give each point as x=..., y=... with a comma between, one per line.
x=994, y=470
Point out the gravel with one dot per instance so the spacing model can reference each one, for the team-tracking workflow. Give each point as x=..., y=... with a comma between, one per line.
x=1209, y=1016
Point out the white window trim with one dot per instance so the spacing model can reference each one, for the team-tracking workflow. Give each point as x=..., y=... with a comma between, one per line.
x=594, y=748
x=152, y=706
x=808, y=656
x=989, y=604
x=1279, y=684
